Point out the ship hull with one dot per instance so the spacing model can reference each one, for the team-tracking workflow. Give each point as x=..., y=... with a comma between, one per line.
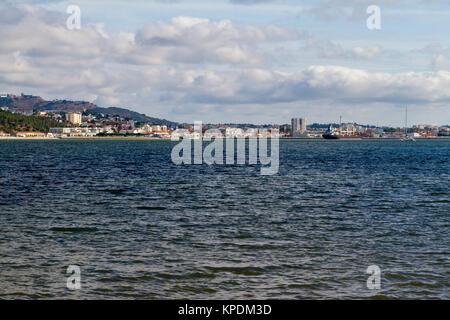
x=330, y=136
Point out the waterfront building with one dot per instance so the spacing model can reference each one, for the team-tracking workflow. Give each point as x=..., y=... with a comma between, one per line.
x=161, y=134
x=146, y=128
x=414, y=135
x=29, y=134
x=348, y=130
x=74, y=117
x=75, y=132
x=298, y=126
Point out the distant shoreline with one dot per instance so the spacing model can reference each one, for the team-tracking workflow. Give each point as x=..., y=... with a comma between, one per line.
x=84, y=138
x=166, y=139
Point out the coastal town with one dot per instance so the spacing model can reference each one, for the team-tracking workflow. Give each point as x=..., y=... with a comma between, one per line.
x=89, y=123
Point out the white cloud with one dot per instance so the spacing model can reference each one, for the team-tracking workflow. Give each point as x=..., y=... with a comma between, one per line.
x=331, y=50
x=42, y=36
x=367, y=52
x=193, y=64
x=197, y=40
x=318, y=82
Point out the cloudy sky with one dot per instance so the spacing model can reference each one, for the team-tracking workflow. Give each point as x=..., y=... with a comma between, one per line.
x=256, y=61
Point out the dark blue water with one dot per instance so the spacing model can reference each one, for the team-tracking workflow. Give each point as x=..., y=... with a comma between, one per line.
x=141, y=227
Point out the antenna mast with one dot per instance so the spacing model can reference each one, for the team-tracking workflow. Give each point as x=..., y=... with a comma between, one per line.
x=406, y=120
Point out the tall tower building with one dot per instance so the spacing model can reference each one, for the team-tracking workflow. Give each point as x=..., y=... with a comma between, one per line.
x=298, y=125
x=73, y=117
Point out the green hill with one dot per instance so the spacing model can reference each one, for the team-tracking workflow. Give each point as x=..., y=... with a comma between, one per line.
x=132, y=115
x=10, y=122
x=31, y=103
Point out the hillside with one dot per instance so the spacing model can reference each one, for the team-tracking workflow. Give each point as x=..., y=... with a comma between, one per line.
x=11, y=122
x=65, y=105
x=132, y=115
x=30, y=103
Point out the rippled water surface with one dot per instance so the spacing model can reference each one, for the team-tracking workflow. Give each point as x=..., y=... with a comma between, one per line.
x=141, y=227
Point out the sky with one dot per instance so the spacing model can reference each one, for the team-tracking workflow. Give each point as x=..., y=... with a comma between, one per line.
x=235, y=61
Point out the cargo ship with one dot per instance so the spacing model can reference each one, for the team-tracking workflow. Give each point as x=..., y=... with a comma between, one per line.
x=333, y=134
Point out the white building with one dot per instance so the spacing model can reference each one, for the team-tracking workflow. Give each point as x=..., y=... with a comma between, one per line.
x=348, y=130
x=413, y=135
x=146, y=128
x=74, y=117
x=30, y=134
x=75, y=132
